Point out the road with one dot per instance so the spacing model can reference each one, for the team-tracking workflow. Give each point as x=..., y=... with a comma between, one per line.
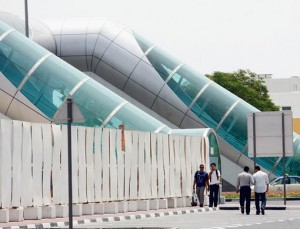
x=214, y=219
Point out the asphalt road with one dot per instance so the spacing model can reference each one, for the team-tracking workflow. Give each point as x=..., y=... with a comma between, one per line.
x=214, y=219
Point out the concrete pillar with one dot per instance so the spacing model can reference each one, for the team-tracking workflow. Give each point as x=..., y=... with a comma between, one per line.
x=62, y=211
x=33, y=213
x=16, y=215
x=4, y=215
x=163, y=203
x=154, y=204
x=143, y=205
x=77, y=209
x=48, y=212
x=88, y=209
x=132, y=206
x=111, y=208
x=99, y=208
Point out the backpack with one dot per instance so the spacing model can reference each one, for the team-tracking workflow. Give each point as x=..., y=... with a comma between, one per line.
x=194, y=199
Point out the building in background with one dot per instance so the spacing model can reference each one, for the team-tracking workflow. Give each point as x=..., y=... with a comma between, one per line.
x=285, y=93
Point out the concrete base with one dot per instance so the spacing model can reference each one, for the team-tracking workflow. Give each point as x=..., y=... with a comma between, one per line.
x=16, y=215
x=222, y=199
x=163, y=203
x=188, y=201
x=123, y=207
x=132, y=206
x=154, y=204
x=99, y=208
x=77, y=209
x=48, y=212
x=33, y=213
x=206, y=200
x=143, y=205
x=172, y=202
x=62, y=211
x=111, y=208
x=181, y=202
x=4, y=216
x=88, y=209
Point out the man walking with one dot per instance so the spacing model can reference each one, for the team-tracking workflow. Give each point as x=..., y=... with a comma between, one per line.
x=243, y=183
x=261, y=182
x=201, y=180
x=214, y=181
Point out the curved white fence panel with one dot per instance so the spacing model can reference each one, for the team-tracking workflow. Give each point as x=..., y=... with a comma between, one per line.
x=37, y=158
x=47, y=163
x=90, y=164
x=113, y=176
x=5, y=160
x=26, y=196
x=17, y=164
x=150, y=166
x=98, y=165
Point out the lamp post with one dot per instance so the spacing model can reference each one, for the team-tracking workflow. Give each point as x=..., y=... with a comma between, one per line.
x=26, y=19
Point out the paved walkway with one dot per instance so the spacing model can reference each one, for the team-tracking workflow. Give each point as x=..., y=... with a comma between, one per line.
x=87, y=219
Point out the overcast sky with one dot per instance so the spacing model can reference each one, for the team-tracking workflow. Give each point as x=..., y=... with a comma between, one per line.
x=209, y=35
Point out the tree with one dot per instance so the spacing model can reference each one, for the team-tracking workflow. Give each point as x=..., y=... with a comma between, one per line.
x=246, y=85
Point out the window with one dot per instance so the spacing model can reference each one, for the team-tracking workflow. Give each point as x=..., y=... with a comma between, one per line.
x=287, y=108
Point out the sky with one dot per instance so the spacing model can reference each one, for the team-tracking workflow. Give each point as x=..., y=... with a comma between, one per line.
x=208, y=35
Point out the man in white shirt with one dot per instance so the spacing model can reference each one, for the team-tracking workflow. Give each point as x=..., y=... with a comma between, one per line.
x=214, y=177
x=261, y=182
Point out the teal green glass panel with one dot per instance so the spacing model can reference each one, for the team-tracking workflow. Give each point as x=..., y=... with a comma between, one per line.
x=50, y=83
x=95, y=102
x=18, y=55
x=3, y=28
x=234, y=128
x=186, y=84
x=163, y=63
x=134, y=119
x=212, y=104
x=143, y=43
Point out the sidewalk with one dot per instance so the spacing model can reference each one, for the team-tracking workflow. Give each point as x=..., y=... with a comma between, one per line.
x=87, y=219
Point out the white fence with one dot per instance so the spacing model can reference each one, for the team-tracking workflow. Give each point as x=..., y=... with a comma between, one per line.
x=32, y=156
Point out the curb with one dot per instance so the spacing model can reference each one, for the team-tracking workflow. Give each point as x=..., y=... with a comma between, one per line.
x=112, y=218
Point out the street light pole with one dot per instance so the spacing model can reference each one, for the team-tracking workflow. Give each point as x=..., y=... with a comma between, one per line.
x=70, y=120
x=26, y=19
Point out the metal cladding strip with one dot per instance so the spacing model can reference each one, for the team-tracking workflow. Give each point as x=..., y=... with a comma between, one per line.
x=173, y=72
x=205, y=134
x=170, y=131
x=227, y=113
x=113, y=113
x=78, y=85
x=73, y=90
x=159, y=129
x=275, y=165
x=242, y=152
x=199, y=93
x=6, y=33
x=34, y=67
x=149, y=50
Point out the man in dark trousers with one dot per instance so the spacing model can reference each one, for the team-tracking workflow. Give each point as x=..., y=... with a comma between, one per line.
x=201, y=180
x=214, y=177
x=243, y=183
x=261, y=186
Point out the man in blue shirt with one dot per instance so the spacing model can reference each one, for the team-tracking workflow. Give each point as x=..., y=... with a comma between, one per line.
x=201, y=180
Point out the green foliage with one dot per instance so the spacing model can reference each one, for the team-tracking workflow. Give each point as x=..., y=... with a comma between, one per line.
x=246, y=85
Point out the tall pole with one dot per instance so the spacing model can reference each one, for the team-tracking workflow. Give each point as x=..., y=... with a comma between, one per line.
x=26, y=19
x=70, y=119
x=254, y=139
x=283, y=159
